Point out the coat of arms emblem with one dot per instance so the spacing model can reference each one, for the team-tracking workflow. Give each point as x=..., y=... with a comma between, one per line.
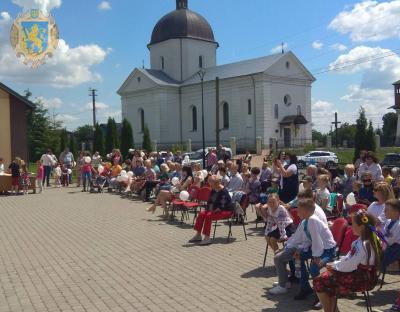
x=34, y=36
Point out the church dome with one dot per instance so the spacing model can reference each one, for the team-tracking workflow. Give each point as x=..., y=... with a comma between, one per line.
x=182, y=23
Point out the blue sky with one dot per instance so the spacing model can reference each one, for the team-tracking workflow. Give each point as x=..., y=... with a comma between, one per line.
x=102, y=41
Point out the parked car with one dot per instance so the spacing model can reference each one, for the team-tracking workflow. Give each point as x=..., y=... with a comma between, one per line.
x=328, y=158
x=391, y=160
x=228, y=151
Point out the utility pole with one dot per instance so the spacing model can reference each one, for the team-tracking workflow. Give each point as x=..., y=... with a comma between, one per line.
x=217, y=111
x=336, y=122
x=93, y=95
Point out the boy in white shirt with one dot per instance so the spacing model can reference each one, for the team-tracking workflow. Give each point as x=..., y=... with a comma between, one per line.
x=295, y=242
x=321, y=247
x=391, y=233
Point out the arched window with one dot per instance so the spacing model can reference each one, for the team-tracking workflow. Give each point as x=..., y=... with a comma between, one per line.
x=162, y=62
x=298, y=110
x=225, y=115
x=276, y=111
x=194, y=118
x=141, y=116
x=200, y=61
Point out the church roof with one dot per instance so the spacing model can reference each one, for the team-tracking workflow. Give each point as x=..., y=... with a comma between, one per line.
x=294, y=119
x=159, y=77
x=243, y=68
x=17, y=95
x=182, y=23
x=396, y=83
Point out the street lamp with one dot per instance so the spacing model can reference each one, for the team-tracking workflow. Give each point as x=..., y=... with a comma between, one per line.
x=201, y=74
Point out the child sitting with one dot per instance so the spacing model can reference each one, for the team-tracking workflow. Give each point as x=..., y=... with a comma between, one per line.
x=357, y=270
x=391, y=233
x=386, y=175
x=323, y=196
x=366, y=192
x=279, y=224
x=321, y=245
x=262, y=206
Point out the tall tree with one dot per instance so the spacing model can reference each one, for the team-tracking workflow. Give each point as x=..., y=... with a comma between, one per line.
x=147, y=146
x=84, y=134
x=72, y=145
x=63, y=139
x=126, y=137
x=111, y=136
x=38, y=131
x=389, y=129
x=361, y=132
x=99, y=140
x=370, y=144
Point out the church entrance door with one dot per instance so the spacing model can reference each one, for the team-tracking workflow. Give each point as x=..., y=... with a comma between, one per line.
x=287, y=137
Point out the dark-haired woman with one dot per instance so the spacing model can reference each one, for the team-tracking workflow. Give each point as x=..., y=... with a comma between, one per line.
x=289, y=178
x=371, y=164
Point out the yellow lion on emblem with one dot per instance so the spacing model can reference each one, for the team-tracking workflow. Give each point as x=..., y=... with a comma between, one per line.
x=36, y=37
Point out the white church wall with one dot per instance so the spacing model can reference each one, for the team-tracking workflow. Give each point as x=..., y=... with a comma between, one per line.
x=191, y=50
x=138, y=81
x=170, y=51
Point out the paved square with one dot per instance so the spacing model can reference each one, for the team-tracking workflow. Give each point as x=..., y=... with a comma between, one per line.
x=70, y=251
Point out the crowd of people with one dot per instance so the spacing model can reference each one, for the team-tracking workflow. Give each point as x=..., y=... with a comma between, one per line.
x=298, y=211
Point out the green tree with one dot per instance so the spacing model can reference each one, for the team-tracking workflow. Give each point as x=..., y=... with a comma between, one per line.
x=126, y=137
x=63, y=139
x=346, y=132
x=112, y=135
x=361, y=132
x=147, y=146
x=38, y=131
x=370, y=144
x=99, y=140
x=72, y=145
x=84, y=134
x=318, y=136
x=389, y=127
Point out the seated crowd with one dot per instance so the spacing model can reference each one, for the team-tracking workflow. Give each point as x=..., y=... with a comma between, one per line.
x=299, y=212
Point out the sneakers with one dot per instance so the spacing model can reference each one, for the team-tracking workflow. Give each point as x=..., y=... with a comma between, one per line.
x=205, y=242
x=287, y=286
x=303, y=294
x=195, y=239
x=277, y=290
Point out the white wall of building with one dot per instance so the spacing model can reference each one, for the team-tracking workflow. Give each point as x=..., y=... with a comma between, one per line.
x=181, y=56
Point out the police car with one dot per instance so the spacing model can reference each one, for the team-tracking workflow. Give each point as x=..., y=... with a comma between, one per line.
x=315, y=157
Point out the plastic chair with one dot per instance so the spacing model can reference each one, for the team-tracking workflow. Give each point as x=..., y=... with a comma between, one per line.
x=295, y=216
x=354, y=208
x=338, y=230
x=230, y=221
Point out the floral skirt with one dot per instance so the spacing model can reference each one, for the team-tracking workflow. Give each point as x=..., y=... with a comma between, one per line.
x=336, y=283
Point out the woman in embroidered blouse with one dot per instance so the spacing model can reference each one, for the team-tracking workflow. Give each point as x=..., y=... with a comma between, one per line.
x=355, y=272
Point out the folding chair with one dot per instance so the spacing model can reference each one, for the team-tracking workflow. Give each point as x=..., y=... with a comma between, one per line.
x=338, y=230
x=230, y=221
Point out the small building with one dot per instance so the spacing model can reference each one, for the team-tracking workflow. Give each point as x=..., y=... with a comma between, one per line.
x=14, y=109
x=267, y=97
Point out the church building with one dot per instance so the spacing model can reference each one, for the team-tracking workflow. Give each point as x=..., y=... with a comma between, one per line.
x=267, y=97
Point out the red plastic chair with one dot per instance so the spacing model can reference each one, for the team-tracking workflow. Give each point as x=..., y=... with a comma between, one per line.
x=201, y=197
x=349, y=238
x=295, y=216
x=338, y=230
x=354, y=208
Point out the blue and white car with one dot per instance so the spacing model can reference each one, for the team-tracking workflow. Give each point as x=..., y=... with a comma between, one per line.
x=327, y=158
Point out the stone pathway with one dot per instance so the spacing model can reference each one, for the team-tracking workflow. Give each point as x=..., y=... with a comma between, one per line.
x=70, y=251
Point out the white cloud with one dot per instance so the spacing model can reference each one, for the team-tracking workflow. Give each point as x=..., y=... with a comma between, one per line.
x=317, y=45
x=66, y=118
x=104, y=5
x=43, y=5
x=338, y=47
x=375, y=102
x=99, y=106
x=381, y=67
x=278, y=49
x=321, y=106
x=322, y=114
x=52, y=103
x=69, y=66
x=369, y=21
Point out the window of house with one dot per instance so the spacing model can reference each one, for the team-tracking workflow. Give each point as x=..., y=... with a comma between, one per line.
x=162, y=62
x=249, y=107
x=287, y=65
x=287, y=100
x=200, y=61
x=141, y=116
x=194, y=118
x=225, y=115
x=276, y=111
